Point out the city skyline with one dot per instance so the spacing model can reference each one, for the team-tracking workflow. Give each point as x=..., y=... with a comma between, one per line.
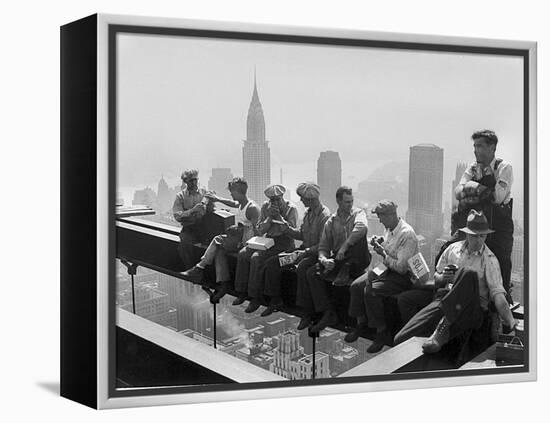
x=370, y=107
x=273, y=343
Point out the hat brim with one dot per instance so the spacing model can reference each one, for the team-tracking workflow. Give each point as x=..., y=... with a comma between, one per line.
x=466, y=230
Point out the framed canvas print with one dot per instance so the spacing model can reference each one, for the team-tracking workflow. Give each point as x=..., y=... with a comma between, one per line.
x=254, y=211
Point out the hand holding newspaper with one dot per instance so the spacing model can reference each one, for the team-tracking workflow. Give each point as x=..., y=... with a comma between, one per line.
x=420, y=270
x=286, y=259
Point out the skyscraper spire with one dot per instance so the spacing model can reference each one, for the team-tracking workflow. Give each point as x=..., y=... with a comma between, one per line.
x=256, y=154
x=255, y=123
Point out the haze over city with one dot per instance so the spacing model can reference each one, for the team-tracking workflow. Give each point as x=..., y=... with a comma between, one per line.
x=185, y=106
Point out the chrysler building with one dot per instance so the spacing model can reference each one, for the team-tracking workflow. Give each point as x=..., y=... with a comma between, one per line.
x=256, y=154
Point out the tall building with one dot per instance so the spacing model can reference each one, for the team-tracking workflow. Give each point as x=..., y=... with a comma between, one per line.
x=145, y=197
x=424, y=213
x=304, y=368
x=191, y=302
x=286, y=355
x=329, y=177
x=256, y=153
x=288, y=189
x=460, y=169
x=343, y=358
x=165, y=196
x=151, y=304
x=219, y=179
x=517, y=253
x=274, y=327
x=290, y=361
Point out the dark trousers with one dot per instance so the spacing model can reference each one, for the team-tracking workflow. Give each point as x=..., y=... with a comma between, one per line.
x=313, y=290
x=186, y=249
x=357, y=294
x=249, y=275
x=388, y=284
x=460, y=306
x=412, y=301
x=273, y=274
x=313, y=293
x=303, y=295
x=501, y=244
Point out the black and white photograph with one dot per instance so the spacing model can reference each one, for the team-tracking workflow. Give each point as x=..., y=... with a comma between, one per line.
x=305, y=210
x=275, y=211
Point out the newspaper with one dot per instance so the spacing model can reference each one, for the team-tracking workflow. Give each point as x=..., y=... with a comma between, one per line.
x=419, y=268
x=286, y=259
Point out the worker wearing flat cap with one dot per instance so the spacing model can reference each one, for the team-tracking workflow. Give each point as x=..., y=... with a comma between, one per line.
x=470, y=272
x=306, y=256
x=367, y=292
x=188, y=209
x=275, y=215
x=342, y=256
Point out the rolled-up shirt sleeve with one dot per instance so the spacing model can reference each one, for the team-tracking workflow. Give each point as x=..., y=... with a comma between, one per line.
x=443, y=260
x=320, y=224
x=359, y=228
x=263, y=225
x=326, y=239
x=408, y=249
x=292, y=217
x=493, y=277
x=504, y=183
x=466, y=177
x=180, y=214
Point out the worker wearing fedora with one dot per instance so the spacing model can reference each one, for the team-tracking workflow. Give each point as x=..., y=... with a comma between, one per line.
x=471, y=273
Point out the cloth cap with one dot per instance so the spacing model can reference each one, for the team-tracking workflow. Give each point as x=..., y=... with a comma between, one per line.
x=476, y=224
x=308, y=190
x=274, y=191
x=385, y=207
x=190, y=174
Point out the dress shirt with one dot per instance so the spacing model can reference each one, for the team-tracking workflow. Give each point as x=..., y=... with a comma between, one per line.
x=400, y=244
x=289, y=212
x=312, y=227
x=503, y=176
x=341, y=227
x=483, y=262
x=183, y=203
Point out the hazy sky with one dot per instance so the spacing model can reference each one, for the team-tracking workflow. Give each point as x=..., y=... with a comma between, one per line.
x=183, y=103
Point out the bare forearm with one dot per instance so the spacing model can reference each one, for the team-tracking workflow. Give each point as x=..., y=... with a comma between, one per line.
x=183, y=215
x=263, y=226
x=504, y=309
x=228, y=202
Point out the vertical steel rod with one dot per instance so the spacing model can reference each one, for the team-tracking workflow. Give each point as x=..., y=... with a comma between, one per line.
x=132, y=270
x=313, y=368
x=215, y=326
x=133, y=295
